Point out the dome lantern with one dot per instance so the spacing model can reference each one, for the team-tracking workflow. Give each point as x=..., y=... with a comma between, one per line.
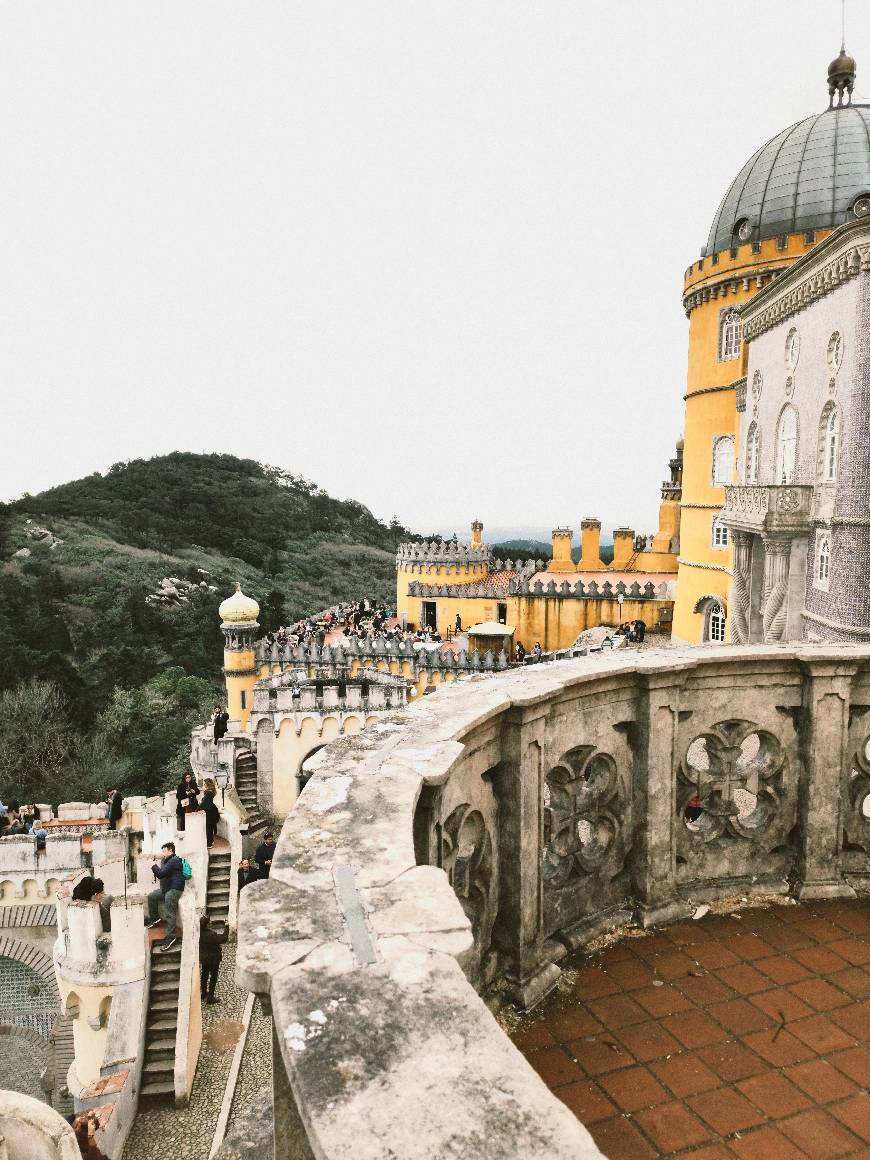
x=239, y=609
x=841, y=78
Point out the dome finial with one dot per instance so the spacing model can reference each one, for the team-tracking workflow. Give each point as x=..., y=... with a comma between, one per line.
x=841, y=72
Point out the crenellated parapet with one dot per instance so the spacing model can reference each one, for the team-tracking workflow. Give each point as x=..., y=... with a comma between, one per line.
x=413, y=557
x=336, y=660
x=579, y=590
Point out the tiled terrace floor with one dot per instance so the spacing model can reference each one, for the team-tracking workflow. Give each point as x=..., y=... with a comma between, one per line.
x=720, y=1037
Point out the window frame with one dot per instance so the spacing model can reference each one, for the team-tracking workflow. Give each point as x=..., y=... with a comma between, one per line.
x=791, y=411
x=718, y=442
x=822, y=562
x=715, y=619
x=719, y=531
x=829, y=443
x=729, y=339
x=753, y=453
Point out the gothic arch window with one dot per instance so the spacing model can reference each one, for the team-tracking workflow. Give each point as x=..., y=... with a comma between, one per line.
x=829, y=431
x=729, y=335
x=786, y=445
x=714, y=622
x=823, y=562
x=723, y=460
x=753, y=453
x=719, y=538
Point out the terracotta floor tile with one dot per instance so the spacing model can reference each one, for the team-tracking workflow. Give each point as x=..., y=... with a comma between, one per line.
x=750, y=946
x=685, y=1074
x=726, y=1111
x=659, y=1001
x=745, y=979
x=705, y=989
x=821, y=929
x=819, y=1134
x=819, y=994
x=694, y=1028
x=819, y=959
x=783, y=969
x=616, y=1011
x=673, y=966
x=572, y=1024
x=732, y=1061
x=600, y=1055
x=739, y=1016
x=684, y=934
x=766, y=1144
x=855, y=981
x=554, y=1066
x=775, y=1095
x=710, y=1152
x=855, y=1063
x=593, y=983
x=854, y=1019
x=820, y=1080
x=854, y=919
x=781, y=1005
x=855, y=951
x=587, y=1101
x=672, y=1127
x=778, y=1047
x=713, y=955
x=855, y=1114
x=787, y=938
x=819, y=1033
x=648, y=1041
x=634, y=1088
x=534, y=1036
x=617, y=952
x=630, y=974
x=619, y=1139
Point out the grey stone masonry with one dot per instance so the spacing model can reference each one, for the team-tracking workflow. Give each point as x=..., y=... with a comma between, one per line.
x=464, y=846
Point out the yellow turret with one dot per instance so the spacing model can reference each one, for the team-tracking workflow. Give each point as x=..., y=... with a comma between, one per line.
x=239, y=625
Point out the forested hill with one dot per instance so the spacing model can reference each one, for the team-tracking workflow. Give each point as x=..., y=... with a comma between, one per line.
x=97, y=681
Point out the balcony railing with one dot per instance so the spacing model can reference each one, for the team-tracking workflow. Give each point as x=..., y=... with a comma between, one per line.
x=768, y=508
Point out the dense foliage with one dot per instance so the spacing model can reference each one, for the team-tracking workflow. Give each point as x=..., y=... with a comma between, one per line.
x=127, y=677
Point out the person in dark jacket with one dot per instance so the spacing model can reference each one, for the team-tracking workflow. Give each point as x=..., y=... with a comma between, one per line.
x=83, y=891
x=105, y=903
x=221, y=720
x=209, y=958
x=188, y=799
x=170, y=873
x=263, y=856
x=212, y=813
x=116, y=807
x=246, y=874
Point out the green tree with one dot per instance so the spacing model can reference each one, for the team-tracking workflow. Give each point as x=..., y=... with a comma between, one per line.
x=36, y=739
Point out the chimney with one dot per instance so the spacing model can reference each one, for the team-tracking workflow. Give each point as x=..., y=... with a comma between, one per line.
x=477, y=534
x=590, y=538
x=623, y=546
x=561, y=557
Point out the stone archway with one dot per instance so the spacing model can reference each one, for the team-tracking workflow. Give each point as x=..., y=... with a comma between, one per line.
x=30, y=1004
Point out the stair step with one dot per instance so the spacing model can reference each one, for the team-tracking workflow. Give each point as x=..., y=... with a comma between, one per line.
x=159, y=1068
x=218, y=892
x=166, y=956
x=160, y=1005
x=161, y=1025
x=157, y=1047
x=155, y=1088
x=169, y=987
x=164, y=965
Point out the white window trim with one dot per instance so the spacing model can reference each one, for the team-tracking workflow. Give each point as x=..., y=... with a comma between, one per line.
x=822, y=582
x=753, y=453
x=715, y=609
x=778, y=463
x=725, y=317
x=717, y=440
x=720, y=529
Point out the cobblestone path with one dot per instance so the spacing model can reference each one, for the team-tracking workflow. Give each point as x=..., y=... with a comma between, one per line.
x=161, y=1130
x=739, y=1035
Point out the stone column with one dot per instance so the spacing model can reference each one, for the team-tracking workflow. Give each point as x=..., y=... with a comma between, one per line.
x=519, y=788
x=656, y=799
x=740, y=587
x=777, y=550
x=827, y=692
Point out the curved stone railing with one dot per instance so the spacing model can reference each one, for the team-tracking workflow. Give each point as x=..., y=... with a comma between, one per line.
x=490, y=829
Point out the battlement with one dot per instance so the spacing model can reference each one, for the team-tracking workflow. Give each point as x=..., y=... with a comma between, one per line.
x=446, y=552
x=580, y=590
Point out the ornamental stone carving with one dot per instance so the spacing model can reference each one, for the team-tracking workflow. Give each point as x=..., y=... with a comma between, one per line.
x=584, y=802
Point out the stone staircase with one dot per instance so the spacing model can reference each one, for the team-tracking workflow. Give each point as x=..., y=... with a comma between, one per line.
x=217, y=900
x=159, y=1064
x=246, y=788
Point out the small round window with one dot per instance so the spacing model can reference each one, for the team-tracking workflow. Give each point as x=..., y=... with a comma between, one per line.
x=743, y=229
x=861, y=206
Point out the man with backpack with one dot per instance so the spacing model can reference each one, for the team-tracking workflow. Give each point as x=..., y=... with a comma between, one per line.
x=171, y=876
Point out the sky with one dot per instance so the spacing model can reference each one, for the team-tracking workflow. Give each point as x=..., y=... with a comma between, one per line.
x=429, y=255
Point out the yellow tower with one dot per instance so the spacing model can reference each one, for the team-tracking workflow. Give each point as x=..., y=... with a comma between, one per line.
x=239, y=625
x=804, y=182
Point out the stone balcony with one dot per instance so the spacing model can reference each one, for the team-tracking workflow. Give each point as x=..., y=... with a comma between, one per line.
x=456, y=854
x=768, y=509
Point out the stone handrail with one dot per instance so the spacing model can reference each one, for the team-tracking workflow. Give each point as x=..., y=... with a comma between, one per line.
x=500, y=824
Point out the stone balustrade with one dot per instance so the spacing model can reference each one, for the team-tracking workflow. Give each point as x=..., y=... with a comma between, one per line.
x=767, y=508
x=466, y=848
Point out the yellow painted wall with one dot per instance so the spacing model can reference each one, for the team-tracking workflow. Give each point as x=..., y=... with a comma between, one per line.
x=704, y=570
x=241, y=663
x=440, y=574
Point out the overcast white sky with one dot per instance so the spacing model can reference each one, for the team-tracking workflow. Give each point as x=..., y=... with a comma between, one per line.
x=429, y=255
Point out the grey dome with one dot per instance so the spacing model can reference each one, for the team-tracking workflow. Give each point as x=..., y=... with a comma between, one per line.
x=804, y=178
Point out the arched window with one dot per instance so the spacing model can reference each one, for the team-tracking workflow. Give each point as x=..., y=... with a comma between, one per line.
x=828, y=432
x=729, y=335
x=753, y=453
x=786, y=446
x=715, y=623
x=823, y=561
x=720, y=534
x=723, y=460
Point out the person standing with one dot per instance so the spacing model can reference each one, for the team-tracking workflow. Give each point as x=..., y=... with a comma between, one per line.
x=105, y=903
x=212, y=813
x=246, y=874
x=170, y=874
x=221, y=721
x=210, y=955
x=116, y=808
x=263, y=856
x=187, y=794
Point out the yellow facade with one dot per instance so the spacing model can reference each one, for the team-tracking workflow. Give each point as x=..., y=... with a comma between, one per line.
x=714, y=284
